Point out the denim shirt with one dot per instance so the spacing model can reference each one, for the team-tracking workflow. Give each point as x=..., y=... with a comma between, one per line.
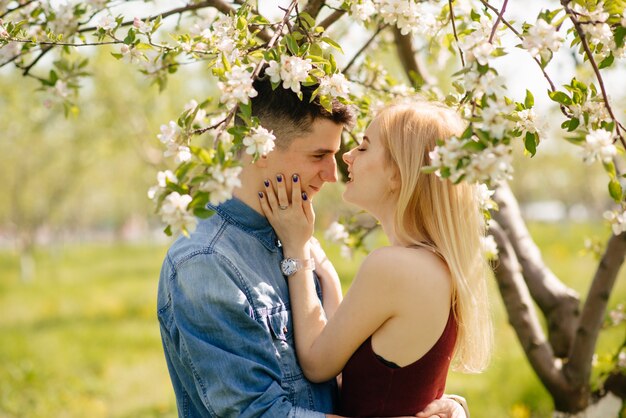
x=226, y=326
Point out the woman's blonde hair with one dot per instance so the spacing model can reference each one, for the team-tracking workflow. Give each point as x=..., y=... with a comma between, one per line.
x=434, y=212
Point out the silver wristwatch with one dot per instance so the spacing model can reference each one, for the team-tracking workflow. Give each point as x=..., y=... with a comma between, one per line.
x=291, y=265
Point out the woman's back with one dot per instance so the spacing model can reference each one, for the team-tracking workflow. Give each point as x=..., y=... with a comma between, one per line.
x=419, y=338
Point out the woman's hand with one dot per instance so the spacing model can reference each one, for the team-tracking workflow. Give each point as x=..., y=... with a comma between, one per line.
x=293, y=222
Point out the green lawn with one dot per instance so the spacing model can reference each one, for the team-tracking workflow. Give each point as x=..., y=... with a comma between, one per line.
x=82, y=338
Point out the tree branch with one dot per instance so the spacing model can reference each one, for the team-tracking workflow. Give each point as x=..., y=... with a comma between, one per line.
x=363, y=48
x=559, y=304
x=313, y=7
x=578, y=369
x=522, y=316
x=456, y=36
x=495, y=25
x=409, y=59
x=217, y=4
x=332, y=18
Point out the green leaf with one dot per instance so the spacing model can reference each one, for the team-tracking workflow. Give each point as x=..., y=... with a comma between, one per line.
x=291, y=44
x=332, y=43
x=607, y=62
x=610, y=168
x=615, y=190
x=530, y=143
x=560, y=97
x=529, y=101
x=573, y=124
x=168, y=231
x=203, y=213
x=307, y=19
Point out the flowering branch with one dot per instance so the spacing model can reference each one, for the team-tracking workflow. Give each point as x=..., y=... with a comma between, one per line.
x=19, y=6
x=596, y=70
x=256, y=71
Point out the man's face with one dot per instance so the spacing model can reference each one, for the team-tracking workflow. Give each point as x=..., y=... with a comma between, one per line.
x=311, y=156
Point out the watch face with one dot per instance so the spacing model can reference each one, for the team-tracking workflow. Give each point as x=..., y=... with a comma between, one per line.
x=289, y=266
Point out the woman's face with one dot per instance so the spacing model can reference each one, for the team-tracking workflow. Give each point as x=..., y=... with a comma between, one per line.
x=370, y=185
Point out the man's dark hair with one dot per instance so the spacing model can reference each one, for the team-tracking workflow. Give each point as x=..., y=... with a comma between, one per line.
x=282, y=112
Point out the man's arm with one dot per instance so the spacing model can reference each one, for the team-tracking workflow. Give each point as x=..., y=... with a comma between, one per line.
x=227, y=357
x=449, y=406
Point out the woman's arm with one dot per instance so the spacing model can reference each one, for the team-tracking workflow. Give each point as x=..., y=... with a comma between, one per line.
x=323, y=349
x=329, y=279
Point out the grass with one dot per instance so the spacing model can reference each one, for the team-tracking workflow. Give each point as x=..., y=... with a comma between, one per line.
x=82, y=338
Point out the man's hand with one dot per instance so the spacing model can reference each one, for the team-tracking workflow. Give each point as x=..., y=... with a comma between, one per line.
x=444, y=408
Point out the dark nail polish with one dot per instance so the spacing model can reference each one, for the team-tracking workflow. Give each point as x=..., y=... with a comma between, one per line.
x=304, y=196
x=279, y=178
x=260, y=195
x=267, y=183
x=295, y=178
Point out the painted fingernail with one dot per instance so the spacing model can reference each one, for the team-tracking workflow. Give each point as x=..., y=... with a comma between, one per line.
x=260, y=195
x=267, y=183
x=304, y=196
x=279, y=178
x=295, y=178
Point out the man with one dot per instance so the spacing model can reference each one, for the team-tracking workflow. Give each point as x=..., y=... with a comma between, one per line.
x=223, y=302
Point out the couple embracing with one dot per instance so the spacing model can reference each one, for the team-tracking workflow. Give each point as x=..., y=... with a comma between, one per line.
x=251, y=313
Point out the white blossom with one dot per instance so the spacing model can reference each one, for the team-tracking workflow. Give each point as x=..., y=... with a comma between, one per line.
x=61, y=89
x=617, y=219
x=621, y=360
x=494, y=119
x=492, y=165
x=162, y=178
x=182, y=154
x=476, y=45
x=528, y=121
x=345, y=252
x=273, y=70
x=484, y=197
x=130, y=55
x=141, y=26
x=3, y=32
x=336, y=232
x=221, y=184
x=169, y=133
x=617, y=315
x=9, y=51
x=260, y=141
x=335, y=86
x=291, y=70
x=238, y=87
x=598, y=145
x=489, y=246
x=106, y=22
x=174, y=212
x=363, y=10
x=542, y=39
x=595, y=26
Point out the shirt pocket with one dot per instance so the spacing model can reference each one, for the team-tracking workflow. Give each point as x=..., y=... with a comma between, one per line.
x=280, y=326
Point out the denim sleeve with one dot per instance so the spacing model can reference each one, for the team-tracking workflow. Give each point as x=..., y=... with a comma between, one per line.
x=228, y=353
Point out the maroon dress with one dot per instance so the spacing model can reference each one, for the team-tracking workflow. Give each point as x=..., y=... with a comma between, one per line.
x=373, y=386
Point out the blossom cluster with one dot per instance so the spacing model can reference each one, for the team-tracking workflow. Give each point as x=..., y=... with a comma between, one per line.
x=237, y=87
x=454, y=159
x=617, y=219
x=598, y=145
x=409, y=16
x=542, y=40
x=291, y=70
x=222, y=183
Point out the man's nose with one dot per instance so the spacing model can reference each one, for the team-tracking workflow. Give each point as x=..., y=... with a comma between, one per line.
x=329, y=172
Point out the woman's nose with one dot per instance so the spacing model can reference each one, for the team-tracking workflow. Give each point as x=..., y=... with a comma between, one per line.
x=347, y=157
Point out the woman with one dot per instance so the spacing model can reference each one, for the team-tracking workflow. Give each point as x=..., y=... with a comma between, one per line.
x=413, y=305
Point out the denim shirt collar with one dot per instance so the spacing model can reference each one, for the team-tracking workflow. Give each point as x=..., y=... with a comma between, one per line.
x=237, y=213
